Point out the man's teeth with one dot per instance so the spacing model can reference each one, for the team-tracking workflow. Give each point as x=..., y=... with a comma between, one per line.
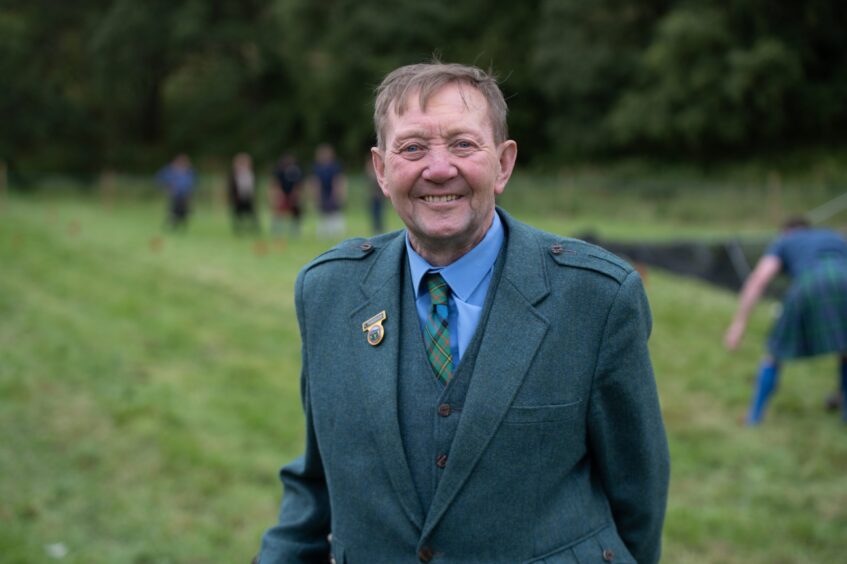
x=438, y=199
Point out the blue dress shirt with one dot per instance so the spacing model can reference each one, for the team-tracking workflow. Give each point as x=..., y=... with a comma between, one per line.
x=468, y=278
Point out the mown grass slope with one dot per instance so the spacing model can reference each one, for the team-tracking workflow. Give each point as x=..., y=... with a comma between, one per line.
x=149, y=392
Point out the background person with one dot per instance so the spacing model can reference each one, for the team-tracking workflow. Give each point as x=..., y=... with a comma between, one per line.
x=241, y=194
x=285, y=203
x=178, y=180
x=475, y=390
x=375, y=198
x=332, y=191
x=813, y=320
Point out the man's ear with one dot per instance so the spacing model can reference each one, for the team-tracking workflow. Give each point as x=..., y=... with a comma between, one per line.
x=507, y=154
x=378, y=160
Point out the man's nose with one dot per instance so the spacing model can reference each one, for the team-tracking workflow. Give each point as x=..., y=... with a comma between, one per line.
x=440, y=166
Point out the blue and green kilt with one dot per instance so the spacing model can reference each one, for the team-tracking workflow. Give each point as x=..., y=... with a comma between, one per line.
x=814, y=314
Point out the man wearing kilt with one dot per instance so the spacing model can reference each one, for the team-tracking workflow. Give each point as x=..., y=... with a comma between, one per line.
x=814, y=313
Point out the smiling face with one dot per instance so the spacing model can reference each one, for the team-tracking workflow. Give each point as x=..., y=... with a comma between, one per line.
x=441, y=168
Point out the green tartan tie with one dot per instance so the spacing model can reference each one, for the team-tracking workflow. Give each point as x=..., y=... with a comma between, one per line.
x=437, y=331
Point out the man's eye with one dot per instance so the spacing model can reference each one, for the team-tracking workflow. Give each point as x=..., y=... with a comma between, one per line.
x=464, y=145
x=412, y=149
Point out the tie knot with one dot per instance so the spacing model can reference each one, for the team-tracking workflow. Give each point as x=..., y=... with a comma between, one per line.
x=438, y=288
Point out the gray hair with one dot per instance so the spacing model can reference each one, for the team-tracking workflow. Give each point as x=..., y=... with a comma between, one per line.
x=428, y=78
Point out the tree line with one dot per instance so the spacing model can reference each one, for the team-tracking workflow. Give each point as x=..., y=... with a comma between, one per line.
x=94, y=84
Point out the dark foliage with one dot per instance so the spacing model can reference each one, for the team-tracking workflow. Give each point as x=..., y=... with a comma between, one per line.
x=95, y=84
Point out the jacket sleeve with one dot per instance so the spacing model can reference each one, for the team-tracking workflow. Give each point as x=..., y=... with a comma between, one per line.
x=626, y=433
x=304, y=517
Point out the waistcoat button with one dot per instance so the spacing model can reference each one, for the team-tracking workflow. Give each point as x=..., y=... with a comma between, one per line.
x=444, y=410
x=425, y=554
x=441, y=461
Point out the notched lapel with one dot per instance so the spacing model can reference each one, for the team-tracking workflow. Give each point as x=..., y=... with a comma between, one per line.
x=377, y=367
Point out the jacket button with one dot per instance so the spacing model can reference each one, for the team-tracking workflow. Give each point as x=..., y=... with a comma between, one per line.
x=366, y=246
x=425, y=554
x=444, y=410
x=441, y=461
x=608, y=555
x=556, y=249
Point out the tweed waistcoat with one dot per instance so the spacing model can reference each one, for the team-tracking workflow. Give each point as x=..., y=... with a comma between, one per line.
x=429, y=411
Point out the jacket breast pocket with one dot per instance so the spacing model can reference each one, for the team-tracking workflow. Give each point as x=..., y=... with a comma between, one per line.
x=529, y=415
x=603, y=547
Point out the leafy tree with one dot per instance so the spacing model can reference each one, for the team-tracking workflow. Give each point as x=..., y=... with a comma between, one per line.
x=703, y=91
x=95, y=83
x=585, y=56
x=44, y=93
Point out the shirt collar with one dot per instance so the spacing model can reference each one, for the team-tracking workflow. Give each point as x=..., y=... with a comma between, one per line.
x=466, y=273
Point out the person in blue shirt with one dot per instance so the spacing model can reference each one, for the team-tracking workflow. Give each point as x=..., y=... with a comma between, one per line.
x=178, y=179
x=332, y=191
x=813, y=320
x=375, y=198
x=475, y=390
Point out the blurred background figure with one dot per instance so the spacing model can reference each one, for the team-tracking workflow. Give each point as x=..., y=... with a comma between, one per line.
x=376, y=199
x=813, y=320
x=332, y=190
x=241, y=192
x=285, y=196
x=178, y=180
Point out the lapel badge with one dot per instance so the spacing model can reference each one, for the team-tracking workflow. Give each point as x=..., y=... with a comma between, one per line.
x=373, y=328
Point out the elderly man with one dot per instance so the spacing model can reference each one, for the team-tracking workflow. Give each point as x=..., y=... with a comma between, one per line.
x=475, y=390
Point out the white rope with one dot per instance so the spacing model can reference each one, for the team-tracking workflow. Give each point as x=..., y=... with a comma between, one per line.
x=829, y=209
x=738, y=259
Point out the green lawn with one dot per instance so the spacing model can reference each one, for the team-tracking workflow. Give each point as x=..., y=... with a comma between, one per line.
x=149, y=394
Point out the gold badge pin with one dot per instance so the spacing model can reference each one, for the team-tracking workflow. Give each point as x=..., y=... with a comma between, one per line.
x=373, y=328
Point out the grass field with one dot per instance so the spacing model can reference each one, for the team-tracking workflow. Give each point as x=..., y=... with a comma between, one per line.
x=149, y=391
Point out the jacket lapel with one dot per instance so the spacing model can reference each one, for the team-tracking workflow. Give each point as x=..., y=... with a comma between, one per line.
x=379, y=369
x=497, y=375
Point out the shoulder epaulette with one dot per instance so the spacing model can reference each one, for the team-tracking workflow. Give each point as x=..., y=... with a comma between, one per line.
x=352, y=249
x=579, y=254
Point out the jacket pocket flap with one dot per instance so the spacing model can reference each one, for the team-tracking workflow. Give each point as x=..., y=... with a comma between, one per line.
x=542, y=413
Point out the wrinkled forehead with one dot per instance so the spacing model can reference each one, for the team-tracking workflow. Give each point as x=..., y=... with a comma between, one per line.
x=418, y=97
x=422, y=99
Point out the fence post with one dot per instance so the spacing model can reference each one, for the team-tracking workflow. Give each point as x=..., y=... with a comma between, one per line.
x=4, y=179
x=775, y=209
x=107, y=188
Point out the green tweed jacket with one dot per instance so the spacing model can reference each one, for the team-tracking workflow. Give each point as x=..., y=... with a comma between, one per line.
x=560, y=455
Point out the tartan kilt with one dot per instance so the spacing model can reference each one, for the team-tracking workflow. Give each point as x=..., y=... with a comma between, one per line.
x=814, y=314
